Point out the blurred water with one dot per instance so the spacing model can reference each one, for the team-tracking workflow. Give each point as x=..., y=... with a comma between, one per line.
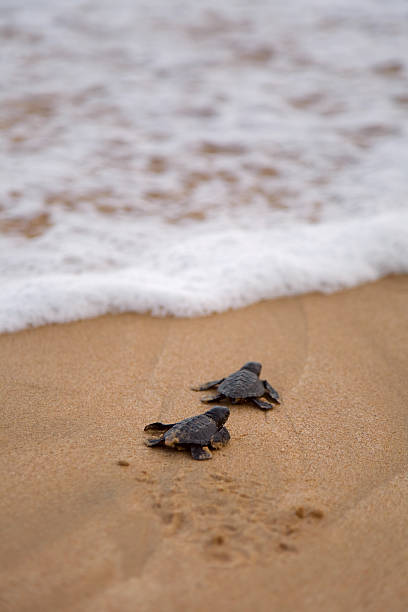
x=185, y=158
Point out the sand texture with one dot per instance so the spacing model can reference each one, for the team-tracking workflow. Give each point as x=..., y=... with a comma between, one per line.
x=305, y=510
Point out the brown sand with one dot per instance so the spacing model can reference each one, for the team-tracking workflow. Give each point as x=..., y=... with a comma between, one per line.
x=305, y=510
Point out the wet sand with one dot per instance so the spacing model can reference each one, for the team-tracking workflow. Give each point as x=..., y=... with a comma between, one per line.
x=306, y=509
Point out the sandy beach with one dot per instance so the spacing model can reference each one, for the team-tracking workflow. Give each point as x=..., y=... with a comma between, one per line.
x=306, y=509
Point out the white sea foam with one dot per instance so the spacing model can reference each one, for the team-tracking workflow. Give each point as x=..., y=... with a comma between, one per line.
x=208, y=270
x=185, y=158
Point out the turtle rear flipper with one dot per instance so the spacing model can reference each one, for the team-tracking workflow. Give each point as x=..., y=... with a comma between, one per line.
x=220, y=439
x=155, y=441
x=200, y=453
x=159, y=426
x=212, y=398
x=273, y=394
x=262, y=405
x=207, y=385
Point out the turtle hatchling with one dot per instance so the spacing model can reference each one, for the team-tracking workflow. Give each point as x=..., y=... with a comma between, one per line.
x=197, y=433
x=241, y=386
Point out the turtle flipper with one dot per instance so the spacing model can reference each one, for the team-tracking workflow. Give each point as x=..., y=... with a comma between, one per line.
x=220, y=438
x=273, y=394
x=260, y=404
x=200, y=453
x=155, y=441
x=207, y=385
x=159, y=426
x=212, y=398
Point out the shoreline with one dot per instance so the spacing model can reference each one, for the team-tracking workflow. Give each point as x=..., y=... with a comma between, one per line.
x=305, y=509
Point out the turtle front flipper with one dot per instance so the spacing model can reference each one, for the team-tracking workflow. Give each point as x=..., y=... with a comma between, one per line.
x=273, y=394
x=220, y=438
x=260, y=404
x=159, y=426
x=155, y=441
x=200, y=453
x=207, y=385
x=212, y=398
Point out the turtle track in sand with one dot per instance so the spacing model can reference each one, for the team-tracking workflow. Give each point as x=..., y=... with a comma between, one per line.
x=229, y=521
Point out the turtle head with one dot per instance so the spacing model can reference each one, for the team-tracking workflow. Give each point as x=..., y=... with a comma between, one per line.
x=219, y=414
x=253, y=366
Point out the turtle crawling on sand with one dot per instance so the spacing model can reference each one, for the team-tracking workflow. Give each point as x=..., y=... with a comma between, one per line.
x=243, y=385
x=197, y=433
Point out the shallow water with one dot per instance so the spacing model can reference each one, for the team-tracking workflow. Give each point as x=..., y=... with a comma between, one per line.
x=187, y=158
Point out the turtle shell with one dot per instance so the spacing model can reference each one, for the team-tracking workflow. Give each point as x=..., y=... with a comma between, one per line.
x=194, y=430
x=242, y=384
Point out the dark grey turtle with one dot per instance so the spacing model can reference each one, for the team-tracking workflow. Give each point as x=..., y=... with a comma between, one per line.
x=243, y=385
x=197, y=433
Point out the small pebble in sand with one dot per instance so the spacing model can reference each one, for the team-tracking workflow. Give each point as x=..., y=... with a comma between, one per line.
x=218, y=540
x=288, y=547
x=302, y=513
x=123, y=462
x=318, y=514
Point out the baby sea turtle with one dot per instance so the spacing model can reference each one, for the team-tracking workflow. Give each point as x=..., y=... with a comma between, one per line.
x=243, y=385
x=196, y=433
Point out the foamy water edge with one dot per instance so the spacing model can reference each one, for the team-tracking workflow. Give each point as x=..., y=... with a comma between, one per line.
x=188, y=161
x=208, y=272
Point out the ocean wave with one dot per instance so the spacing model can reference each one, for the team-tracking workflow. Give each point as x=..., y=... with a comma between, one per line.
x=198, y=271
x=188, y=158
